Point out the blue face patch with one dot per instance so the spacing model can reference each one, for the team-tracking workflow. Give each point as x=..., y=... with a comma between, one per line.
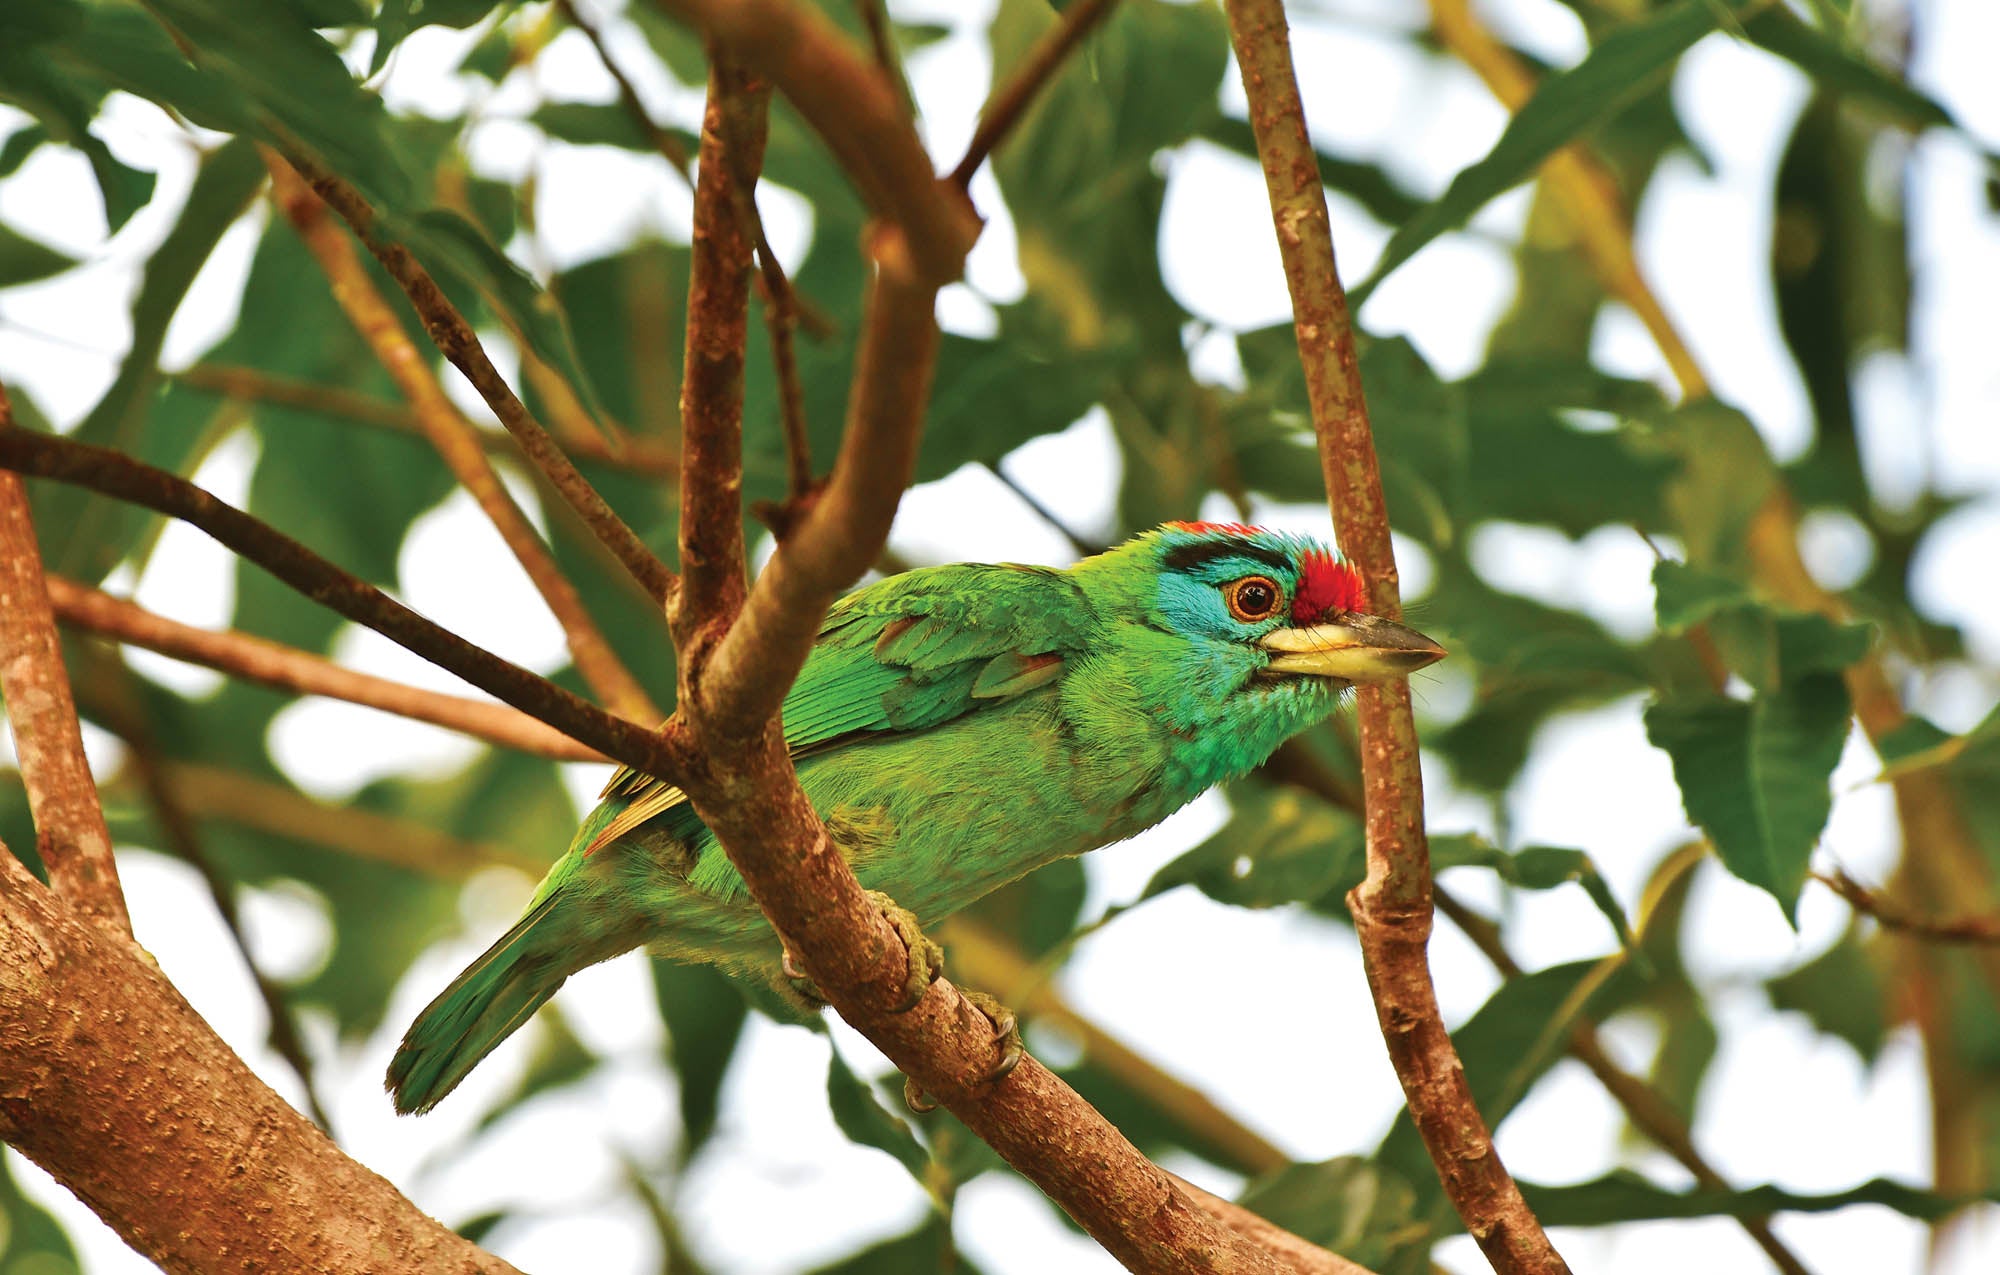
x=1192, y=600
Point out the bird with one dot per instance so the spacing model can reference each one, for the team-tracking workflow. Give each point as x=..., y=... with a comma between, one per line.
x=956, y=727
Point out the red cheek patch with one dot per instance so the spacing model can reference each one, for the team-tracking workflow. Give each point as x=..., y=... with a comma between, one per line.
x=1326, y=587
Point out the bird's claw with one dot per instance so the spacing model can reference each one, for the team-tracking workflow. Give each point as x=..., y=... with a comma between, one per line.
x=926, y=957
x=1006, y=1034
x=802, y=985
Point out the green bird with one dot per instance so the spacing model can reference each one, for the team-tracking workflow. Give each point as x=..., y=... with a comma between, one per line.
x=957, y=727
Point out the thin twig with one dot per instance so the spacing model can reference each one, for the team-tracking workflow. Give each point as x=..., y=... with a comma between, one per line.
x=114, y=474
x=641, y=456
x=875, y=17
x=455, y=338
x=1011, y=100
x=456, y=441
x=70, y=833
x=1085, y=546
x=286, y=668
x=662, y=140
x=1982, y=929
x=1392, y=906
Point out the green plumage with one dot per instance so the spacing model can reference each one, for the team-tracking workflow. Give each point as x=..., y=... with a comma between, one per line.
x=956, y=727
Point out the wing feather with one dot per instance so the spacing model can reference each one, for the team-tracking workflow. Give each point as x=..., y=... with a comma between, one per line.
x=907, y=654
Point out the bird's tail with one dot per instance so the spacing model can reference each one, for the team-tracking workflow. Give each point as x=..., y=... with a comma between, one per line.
x=481, y=1008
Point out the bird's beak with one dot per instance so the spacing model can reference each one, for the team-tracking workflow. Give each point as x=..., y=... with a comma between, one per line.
x=1359, y=648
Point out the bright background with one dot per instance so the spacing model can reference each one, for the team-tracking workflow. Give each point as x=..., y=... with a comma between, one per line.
x=1294, y=1054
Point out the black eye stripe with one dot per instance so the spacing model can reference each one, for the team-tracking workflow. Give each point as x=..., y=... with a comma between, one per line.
x=1189, y=556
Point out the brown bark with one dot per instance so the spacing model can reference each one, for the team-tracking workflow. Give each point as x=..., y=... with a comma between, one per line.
x=70, y=834
x=113, y=1084
x=1392, y=906
x=455, y=439
x=285, y=668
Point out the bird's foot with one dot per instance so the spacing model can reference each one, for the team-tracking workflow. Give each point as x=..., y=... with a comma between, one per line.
x=1006, y=1034
x=926, y=957
x=801, y=984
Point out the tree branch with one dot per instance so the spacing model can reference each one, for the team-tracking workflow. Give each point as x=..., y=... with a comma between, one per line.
x=736, y=666
x=455, y=338
x=1011, y=100
x=117, y=1087
x=1978, y=929
x=113, y=474
x=1392, y=906
x=286, y=668
x=70, y=834
x=842, y=95
x=642, y=456
x=455, y=440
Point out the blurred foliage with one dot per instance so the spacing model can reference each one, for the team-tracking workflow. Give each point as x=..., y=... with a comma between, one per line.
x=1745, y=696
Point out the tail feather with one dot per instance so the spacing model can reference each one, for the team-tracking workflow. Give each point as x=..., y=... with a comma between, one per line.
x=481, y=1008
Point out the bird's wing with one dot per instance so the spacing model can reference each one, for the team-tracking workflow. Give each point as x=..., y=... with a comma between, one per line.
x=906, y=654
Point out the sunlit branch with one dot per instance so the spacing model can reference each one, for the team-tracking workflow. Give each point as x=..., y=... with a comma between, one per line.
x=1392, y=905
x=113, y=474
x=70, y=833
x=286, y=668
x=455, y=338
x=456, y=440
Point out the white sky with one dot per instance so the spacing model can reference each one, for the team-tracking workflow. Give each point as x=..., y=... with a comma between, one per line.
x=1782, y=1104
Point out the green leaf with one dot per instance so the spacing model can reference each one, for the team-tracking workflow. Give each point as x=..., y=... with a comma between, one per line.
x=1535, y=868
x=20, y=144
x=37, y=84
x=31, y=1240
x=1358, y=1209
x=1622, y=67
x=1837, y=66
x=1842, y=992
x=1281, y=845
x=863, y=1118
x=704, y=1013
x=1624, y=1196
x=1754, y=776
x=925, y=1251
x=24, y=260
x=1685, y=596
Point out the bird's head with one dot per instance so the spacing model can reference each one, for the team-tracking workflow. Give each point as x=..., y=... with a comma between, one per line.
x=1244, y=634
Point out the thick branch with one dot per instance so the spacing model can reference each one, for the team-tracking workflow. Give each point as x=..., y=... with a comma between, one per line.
x=843, y=95
x=741, y=778
x=117, y=1087
x=1011, y=100
x=455, y=338
x=112, y=474
x=455, y=439
x=287, y=668
x=70, y=834
x=1392, y=906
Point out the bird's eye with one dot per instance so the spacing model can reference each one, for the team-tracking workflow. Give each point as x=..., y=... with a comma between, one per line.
x=1253, y=598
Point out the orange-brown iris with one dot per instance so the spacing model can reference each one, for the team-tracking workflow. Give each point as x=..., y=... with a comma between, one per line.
x=1253, y=598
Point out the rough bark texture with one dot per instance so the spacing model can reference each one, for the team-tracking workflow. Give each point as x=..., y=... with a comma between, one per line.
x=70, y=834
x=112, y=1083
x=1392, y=906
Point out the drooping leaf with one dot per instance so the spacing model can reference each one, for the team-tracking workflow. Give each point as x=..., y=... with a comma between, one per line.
x=1755, y=775
x=1281, y=845
x=924, y=1251
x=31, y=1240
x=862, y=1117
x=25, y=260
x=1536, y=868
x=1841, y=992
x=1356, y=1208
x=1624, y=1196
x=1684, y=596
x=704, y=1013
x=1838, y=66
x=1623, y=65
